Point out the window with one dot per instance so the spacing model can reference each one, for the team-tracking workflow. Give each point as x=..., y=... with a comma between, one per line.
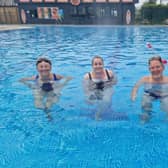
x=90, y=11
x=33, y=13
x=114, y=12
x=40, y=13
x=46, y=13
x=50, y=13
x=73, y=11
x=100, y=12
x=81, y=11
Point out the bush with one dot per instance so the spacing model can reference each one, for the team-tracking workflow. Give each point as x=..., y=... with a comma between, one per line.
x=155, y=14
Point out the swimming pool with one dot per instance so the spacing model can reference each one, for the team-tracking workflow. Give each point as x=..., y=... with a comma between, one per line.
x=28, y=139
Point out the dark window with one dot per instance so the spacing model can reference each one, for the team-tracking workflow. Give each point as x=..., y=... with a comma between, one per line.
x=107, y=11
x=74, y=11
x=90, y=11
x=81, y=11
x=33, y=13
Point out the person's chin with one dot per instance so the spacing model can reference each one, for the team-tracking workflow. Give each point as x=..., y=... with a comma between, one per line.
x=98, y=70
x=45, y=74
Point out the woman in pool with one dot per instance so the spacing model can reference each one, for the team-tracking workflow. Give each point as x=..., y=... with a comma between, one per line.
x=98, y=84
x=155, y=87
x=47, y=85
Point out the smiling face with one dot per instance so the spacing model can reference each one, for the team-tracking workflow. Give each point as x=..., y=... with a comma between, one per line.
x=44, y=68
x=156, y=68
x=97, y=65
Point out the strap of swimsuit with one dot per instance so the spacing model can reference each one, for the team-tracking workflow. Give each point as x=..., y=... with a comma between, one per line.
x=108, y=75
x=90, y=77
x=55, y=77
x=37, y=76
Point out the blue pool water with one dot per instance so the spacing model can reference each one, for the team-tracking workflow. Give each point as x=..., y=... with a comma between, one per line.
x=29, y=140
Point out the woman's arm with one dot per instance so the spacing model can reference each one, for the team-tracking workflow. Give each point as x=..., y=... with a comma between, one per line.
x=63, y=81
x=113, y=77
x=26, y=81
x=66, y=80
x=136, y=87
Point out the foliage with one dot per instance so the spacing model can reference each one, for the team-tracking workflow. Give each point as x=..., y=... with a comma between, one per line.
x=152, y=13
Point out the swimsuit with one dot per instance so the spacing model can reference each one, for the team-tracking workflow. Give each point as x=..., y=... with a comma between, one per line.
x=155, y=91
x=47, y=86
x=154, y=95
x=101, y=84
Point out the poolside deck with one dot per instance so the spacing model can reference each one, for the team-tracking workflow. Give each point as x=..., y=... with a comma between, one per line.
x=14, y=27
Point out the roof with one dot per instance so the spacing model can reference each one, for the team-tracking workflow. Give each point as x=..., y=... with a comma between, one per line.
x=7, y=3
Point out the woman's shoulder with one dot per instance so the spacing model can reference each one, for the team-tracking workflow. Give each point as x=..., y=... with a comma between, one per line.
x=146, y=79
x=110, y=72
x=165, y=79
x=29, y=78
x=86, y=76
x=57, y=76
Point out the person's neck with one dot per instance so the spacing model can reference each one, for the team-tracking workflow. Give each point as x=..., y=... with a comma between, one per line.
x=99, y=74
x=45, y=78
x=158, y=79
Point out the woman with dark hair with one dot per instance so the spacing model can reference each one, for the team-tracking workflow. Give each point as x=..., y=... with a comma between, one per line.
x=98, y=85
x=47, y=84
x=155, y=88
x=99, y=78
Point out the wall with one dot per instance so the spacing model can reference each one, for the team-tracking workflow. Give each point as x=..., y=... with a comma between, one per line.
x=9, y=15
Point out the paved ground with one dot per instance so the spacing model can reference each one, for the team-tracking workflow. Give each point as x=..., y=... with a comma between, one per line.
x=14, y=27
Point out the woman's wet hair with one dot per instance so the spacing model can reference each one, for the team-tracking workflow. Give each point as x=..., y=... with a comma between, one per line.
x=97, y=57
x=43, y=59
x=155, y=58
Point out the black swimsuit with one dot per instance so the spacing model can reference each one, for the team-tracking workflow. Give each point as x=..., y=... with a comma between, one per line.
x=154, y=95
x=153, y=90
x=100, y=85
x=47, y=86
